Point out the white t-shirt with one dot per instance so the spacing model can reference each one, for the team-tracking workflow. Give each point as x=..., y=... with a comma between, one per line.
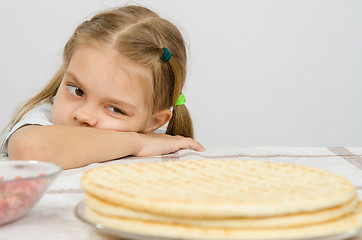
x=39, y=115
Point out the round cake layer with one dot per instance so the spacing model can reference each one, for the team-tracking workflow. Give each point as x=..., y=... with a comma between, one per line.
x=214, y=189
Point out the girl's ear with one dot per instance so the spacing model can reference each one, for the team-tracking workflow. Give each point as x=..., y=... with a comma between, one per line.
x=159, y=119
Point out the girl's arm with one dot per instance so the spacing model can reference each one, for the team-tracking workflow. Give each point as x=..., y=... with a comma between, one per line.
x=72, y=147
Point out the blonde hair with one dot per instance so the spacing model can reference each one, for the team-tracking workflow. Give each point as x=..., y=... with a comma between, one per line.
x=139, y=34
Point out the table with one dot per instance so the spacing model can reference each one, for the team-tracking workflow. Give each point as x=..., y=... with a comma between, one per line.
x=53, y=217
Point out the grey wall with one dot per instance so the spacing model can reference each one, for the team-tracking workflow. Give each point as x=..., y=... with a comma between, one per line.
x=261, y=73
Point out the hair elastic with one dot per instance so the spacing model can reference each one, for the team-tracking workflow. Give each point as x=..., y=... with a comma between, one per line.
x=166, y=56
x=181, y=100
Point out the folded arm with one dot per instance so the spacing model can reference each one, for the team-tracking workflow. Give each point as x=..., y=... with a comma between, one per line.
x=71, y=146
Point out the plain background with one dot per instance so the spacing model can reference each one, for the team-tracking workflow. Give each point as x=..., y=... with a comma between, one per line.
x=260, y=73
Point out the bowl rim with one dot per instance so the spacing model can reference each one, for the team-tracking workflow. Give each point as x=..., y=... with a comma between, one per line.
x=32, y=162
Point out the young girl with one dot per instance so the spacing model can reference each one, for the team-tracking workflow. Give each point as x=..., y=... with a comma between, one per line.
x=122, y=72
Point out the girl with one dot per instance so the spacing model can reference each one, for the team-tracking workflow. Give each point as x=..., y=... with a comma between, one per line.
x=122, y=72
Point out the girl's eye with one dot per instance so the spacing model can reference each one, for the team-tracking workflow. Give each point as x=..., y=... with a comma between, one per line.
x=75, y=91
x=116, y=110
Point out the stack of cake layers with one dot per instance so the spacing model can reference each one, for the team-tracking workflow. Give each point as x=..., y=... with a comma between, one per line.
x=221, y=199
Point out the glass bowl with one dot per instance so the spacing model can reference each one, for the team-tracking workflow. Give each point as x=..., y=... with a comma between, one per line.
x=22, y=184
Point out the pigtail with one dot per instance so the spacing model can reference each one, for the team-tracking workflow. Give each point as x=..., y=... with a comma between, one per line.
x=180, y=123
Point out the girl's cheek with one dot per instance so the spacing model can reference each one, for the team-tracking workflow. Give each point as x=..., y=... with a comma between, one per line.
x=61, y=114
x=117, y=125
x=53, y=116
x=54, y=119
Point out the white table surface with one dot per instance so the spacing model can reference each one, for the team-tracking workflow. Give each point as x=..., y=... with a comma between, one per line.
x=53, y=217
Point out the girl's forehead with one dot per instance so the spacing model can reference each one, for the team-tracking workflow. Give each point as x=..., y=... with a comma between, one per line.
x=108, y=54
x=109, y=61
x=112, y=69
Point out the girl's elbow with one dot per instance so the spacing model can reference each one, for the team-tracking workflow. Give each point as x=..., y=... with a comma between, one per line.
x=24, y=150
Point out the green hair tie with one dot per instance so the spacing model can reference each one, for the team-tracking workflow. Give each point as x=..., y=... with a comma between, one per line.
x=166, y=56
x=181, y=100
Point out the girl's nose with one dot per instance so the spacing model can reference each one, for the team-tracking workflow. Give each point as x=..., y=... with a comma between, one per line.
x=85, y=116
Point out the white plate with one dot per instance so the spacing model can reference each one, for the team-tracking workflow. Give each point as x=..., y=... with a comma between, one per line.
x=80, y=213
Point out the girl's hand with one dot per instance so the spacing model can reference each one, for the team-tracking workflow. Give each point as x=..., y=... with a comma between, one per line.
x=157, y=144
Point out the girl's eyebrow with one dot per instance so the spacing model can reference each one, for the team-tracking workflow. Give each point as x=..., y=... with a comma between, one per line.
x=127, y=105
x=74, y=78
